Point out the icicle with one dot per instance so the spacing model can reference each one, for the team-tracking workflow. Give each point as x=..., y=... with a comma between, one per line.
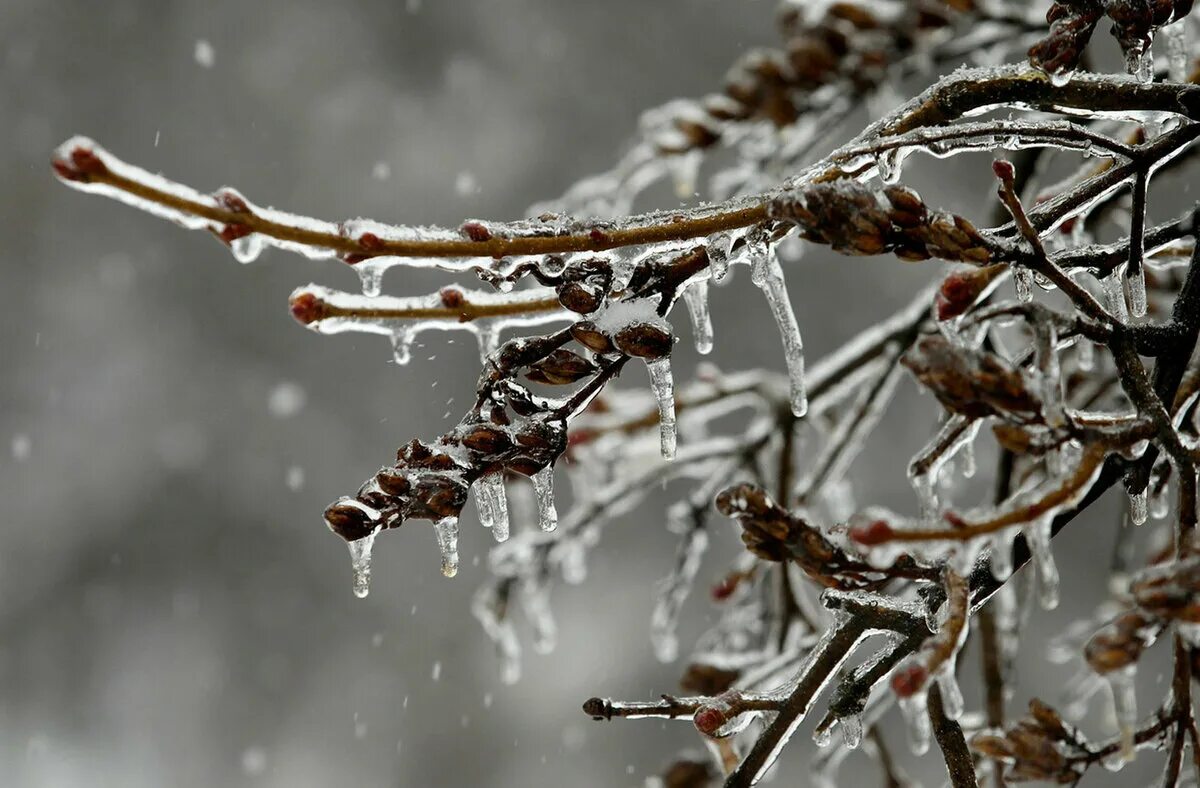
x=1023, y=281
x=248, y=248
x=852, y=730
x=967, y=455
x=1037, y=535
x=1085, y=354
x=915, y=709
x=888, y=164
x=672, y=592
x=718, y=256
x=489, y=606
x=447, y=539
x=823, y=735
x=1124, y=697
x=924, y=486
x=360, y=562
x=535, y=600
x=402, y=339
x=1114, y=295
x=952, y=697
x=370, y=274
x=1001, y=564
x=767, y=275
x=543, y=490
x=663, y=387
x=492, y=503
x=1060, y=79
x=685, y=168
x=1137, y=507
x=1140, y=63
x=489, y=339
x=1135, y=281
x=696, y=298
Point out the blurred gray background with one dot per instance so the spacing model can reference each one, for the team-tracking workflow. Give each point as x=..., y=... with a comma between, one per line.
x=172, y=609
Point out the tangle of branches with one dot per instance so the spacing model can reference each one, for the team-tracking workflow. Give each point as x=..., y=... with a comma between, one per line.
x=1064, y=324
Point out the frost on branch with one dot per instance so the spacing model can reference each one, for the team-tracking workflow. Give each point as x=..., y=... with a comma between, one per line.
x=1058, y=396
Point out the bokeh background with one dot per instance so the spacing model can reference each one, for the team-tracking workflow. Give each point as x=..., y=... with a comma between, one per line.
x=172, y=609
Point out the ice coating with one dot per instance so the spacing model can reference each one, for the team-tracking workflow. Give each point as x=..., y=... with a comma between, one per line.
x=360, y=562
x=1138, y=507
x=696, y=299
x=492, y=503
x=1037, y=535
x=1124, y=700
x=489, y=607
x=915, y=709
x=402, y=319
x=663, y=386
x=1023, y=281
x=447, y=539
x=672, y=592
x=543, y=490
x=767, y=275
x=1135, y=282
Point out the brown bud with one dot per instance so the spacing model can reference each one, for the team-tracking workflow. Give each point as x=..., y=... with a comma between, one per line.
x=561, y=367
x=581, y=297
x=306, y=308
x=349, y=520
x=644, y=340
x=485, y=439
x=586, y=334
x=476, y=231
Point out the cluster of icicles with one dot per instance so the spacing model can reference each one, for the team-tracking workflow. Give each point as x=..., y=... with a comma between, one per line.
x=754, y=250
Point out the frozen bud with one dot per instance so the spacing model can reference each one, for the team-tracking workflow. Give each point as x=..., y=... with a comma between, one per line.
x=872, y=533
x=486, y=439
x=598, y=708
x=1004, y=170
x=393, y=482
x=81, y=164
x=910, y=679
x=561, y=367
x=476, y=231
x=1049, y=719
x=1121, y=642
x=696, y=134
x=349, y=520
x=452, y=296
x=644, y=340
x=306, y=308
x=992, y=746
x=581, y=297
x=587, y=334
x=961, y=289
x=907, y=208
x=230, y=200
x=970, y=381
x=437, y=497
x=710, y=719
